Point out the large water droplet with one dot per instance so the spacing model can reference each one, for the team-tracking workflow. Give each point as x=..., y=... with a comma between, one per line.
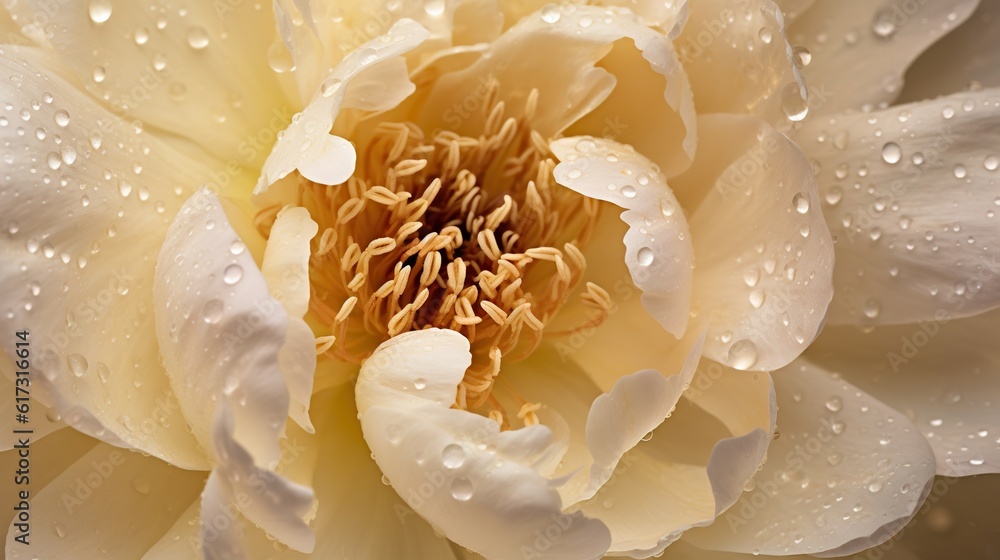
x=743, y=354
x=801, y=203
x=99, y=10
x=197, y=38
x=891, y=153
x=834, y=404
x=77, y=364
x=794, y=102
x=394, y=433
x=232, y=274
x=645, y=256
x=453, y=456
x=212, y=312
x=883, y=26
x=462, y=489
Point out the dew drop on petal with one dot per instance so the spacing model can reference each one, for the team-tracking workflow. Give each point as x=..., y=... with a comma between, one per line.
x=77, y=364
x=891, y=153
x=232, y=274
x=212, y=312
x=834, y=404
x=743, y=354
x=801, y=203
x=197, y=38
x=462, y=489
x=99, y=10
x=453, y=456
x=645, y=256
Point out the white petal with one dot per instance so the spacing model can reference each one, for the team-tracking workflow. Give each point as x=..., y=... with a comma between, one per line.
x=598, y=428
x=286, y=269
x=917, y=235
x=872, y=43
x=691, y=468
x=941, y=374
x=81, y=234
x=829, y=453
x=102, y=502
x=220, y=334
x=763, y=254
x=306, y=144
x=959, y=60
x=203, y=76
x=456, y=468
x=658, y=243
x=668, y=16
x=739, y=61
x=558, y=54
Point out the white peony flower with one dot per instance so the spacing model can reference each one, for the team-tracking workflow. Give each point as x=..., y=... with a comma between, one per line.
x=530, y=280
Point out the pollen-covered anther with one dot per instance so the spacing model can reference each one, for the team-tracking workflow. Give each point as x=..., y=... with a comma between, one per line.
x=450, y=231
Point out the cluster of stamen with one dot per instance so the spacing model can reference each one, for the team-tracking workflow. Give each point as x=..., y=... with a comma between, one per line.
x=442, y=230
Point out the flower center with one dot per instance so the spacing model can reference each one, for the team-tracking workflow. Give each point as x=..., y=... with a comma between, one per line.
x=449, y=231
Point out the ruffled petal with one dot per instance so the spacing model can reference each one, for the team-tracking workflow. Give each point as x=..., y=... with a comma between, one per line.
x=763, y=254
x=201, y=74
x=942, y=374
x=911, y=194
x=658, y=243
x=456, y=468
x=84, y=209
x=307, y=144
x=691, y=468
x=961, y=60
x=127, y=500
x=739, y=61
x=872, y=42
x=220, y=335
x=599, y=428
x=563, y=53
x=286, y=270
x=846, y=473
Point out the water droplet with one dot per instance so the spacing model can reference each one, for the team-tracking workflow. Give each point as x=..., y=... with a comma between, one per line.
x=875, y=487
x=743, y=354
x=330, y=86
x=197, y=38
x=751, y=276
x=232, y=274
x=59, y=530
x=100, y=10
x=62, y=117
x=872, y=308
x=667, y=207
x=976, y=461
x=99, y=74
x=434, y=7
x=834, y=195
x=883, y=26
x=891, y=153
x=124, y=187
x=764, y=34
x=834, y=404
x=801, y=203
x=394, y=433
x=794, y=102
x=550, y=13
x=77, y=364
x=141, y=485
x=645, y=256
x=628, y=191
x=237, y=247
x=802, y=56
x=960, y=171
x=279, y=59
x=212, y=312
x=757, y=297
x=453, y=456
x=419, y=383
x=103, y=371
x=991, y=163
x=462, y=489
x=141, y=36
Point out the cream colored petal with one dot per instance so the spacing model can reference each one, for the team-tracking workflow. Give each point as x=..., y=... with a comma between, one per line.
x=763, y=254
x=961, y=60
x=220, y=335
x=599, y=427
x=49, y=457
x=910, y=194
x=201, y=74
x=861, y=49
x=108, y=501
x=85, y=207
x=942, y=374
x=670, y=16
x=739, y=61
x=845, y=474
x=564, y=54
x=286, y=270
x=464, y=462
x=658, y=243
x=307, y=144
x=686, y=473
x=793, y=9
